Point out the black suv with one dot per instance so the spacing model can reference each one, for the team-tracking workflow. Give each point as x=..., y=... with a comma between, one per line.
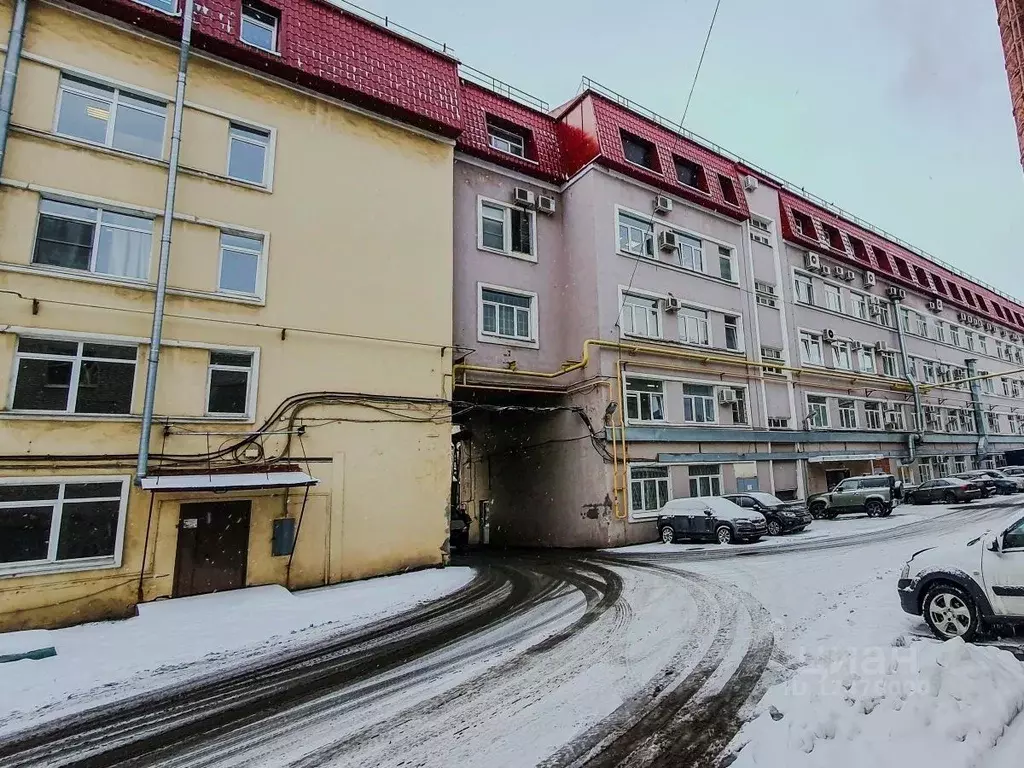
x=783, y=517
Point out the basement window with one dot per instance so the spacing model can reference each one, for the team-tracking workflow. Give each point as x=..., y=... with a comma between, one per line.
x=260, y=25
x=54, y=524
x=639, y=151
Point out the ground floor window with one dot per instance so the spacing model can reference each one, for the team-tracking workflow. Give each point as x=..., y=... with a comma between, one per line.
x=706, y=480
x=648, y=489
x=959, y=464
x=55, y=522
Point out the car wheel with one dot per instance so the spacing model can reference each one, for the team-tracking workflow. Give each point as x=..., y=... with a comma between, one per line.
x=950, y=612
x=874, y=508
x=911, y=499
x=817, y=511
x=830, y=514
x=949, y=498
x=668, y=535
x=774, y=528
x=724, y=534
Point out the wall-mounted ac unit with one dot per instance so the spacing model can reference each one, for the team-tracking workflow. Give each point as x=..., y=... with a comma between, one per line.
x=1002, y=332
x=828, y=334
x=750, y=183
x=963, y=317
x=882, y=346
x=869, y=279
x=1014, y=338
x=849, y=275
x=726, y=396
x=990, y=327
x=896, y=293
x=892, y=421
x=826, y=270
x=668, y=241
x=662, y=204
x=935, y=305
x=546, y=204
x=672, y=304
x=523, y=196
x=812, y=261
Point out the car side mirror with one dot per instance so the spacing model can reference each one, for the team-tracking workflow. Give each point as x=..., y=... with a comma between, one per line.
x=707, y=512
x=997, y=544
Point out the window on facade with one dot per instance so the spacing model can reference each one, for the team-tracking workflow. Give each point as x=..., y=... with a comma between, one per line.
x=859, y=305
x=766, y=294
x=728, y=190
x=848, y=414
x=688, y=173
x=770, y=354
x=920, y=326
x=508, y=315
x=884, y=314
x=732, y=332
x=239, y=263
x=505, y=140
x=73, y=377
x=93, y=240
x=959, y=464
x=940, y=331
x=60, y=522
x=992, y=418
x=866, y=360
x=833, y=298
x=932, y=418
x=760, y=230
x=506, y=229
x=705, y=480
x=983, y=344
x=1015, y=387
x=228, y=383
x=778, y=422
x=1006, y=386
x=803, y=289
x=691, y=253
x=260, y=25
x=890, y=364
x=841, y=355
x=810, y=348
x=639, y=151
x=969, y=338
x=929, y=372
x=954, y=335
x=111, y=117
x=641, y=316
x=725, y=267
x=248, y=149
x=894, y=415
x=648, y=488
x=817, y=412
x=699, y=404
x=739, y=407
x=987, y=385
x=645, y=400
x=804, y=224
x=636, y=236
x=694, y=327
x=873, y=415
x=167, y=6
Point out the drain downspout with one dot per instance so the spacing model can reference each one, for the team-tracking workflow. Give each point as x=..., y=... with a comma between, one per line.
x=165, y=243
x=913, y=437
x=979, y=415
x=10, y=76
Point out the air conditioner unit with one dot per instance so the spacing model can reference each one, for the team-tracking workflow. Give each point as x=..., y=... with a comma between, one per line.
x=935, y=305
x=726, y=396
x=857, y=345
x=896, y=293
x=750, y=183
x=1002, y=332
x=828, y=334
x=672, y=304
x=882, y=346
x=1014, y=338
x=546, y=204
x=989, y=327
x=849, y=275
x=963, y=317
x=662, y=204
x=891, y=420
x=812, y=261
x=523, y=196
x=869, y=279
x=668, y=241
x=826, y=270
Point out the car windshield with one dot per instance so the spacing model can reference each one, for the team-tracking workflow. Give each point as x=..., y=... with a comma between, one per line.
x=994, y=473
x=767, y=499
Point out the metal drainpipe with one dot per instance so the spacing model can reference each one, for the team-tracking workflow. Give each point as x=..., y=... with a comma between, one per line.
x=165, y=243
x=913, y=437
x=10, y=76
x=979, y=415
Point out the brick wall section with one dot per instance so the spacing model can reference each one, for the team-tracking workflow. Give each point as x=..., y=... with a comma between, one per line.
x=545, y=159
x=1013, y=312
x=324, y=49
x=1011, y=31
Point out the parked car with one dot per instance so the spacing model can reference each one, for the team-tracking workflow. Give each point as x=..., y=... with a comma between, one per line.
x=991, y=484
x=710, y=518
x=948, y=490
x=780, y=516
x=1013, y=471
x=998, y=474
x=874, y=494
x=960, y=590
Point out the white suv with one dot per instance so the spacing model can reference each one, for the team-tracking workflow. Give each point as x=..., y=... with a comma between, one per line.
x=960, y=589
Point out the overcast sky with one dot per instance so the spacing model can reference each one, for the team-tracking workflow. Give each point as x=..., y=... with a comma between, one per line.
x=896, y=110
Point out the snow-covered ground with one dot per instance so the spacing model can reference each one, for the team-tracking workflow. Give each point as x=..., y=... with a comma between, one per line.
x=172, y=641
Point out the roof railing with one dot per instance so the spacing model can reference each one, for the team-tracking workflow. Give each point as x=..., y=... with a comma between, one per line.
x=502, y=88
x=387, y=23
x=675, y=127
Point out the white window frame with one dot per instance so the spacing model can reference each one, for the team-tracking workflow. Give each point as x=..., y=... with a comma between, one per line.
x=51, y=564
x=647, y=241
x=268, y=154
x=890, y=364
x=866, y=361
x=513, y=341
x=274, y=28
x=694, y=246
x=955, y=335
x=261, y=263
x=848, y=414
x=250, y=387
x=829, y=292
x=637, y=302
x=815, y=409
x=800, y=279
x=778, y=422
x=808, y=342
x=767, y=295
x=736, y=323
x=761, y=230
x=726, y=253
x=713, y=481
x=506, y=250
x=874, y=418
x=639, y=396
x=841, y=352
x=648, y=514
x=498, y=138
x=701, y=326
x=705, y=408
x=859, y=306
x=152, y=4
x=117, y=89
x=773, y=355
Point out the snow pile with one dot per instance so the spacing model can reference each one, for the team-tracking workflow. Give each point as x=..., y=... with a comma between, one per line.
x=921, y=703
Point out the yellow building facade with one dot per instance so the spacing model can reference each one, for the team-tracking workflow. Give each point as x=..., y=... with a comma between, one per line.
x=307, y=330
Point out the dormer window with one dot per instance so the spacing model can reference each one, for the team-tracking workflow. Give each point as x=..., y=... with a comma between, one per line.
x=506, y=140
x=922, y=276
x=859, y=250
x=804, y=225
x=260, y=25
x=833, y=237
x=728, y=190
x=940, y=285
x=639, y=151
x=688, y=173
x=882, y=259
x=954, y=291
x=903, y=268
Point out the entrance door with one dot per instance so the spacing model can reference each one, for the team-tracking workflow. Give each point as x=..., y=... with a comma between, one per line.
x=213, y=547
x=834, y=477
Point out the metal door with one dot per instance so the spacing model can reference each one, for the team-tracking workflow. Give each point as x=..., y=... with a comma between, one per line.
x=213, y=547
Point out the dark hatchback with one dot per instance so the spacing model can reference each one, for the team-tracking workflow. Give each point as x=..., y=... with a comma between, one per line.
x=947, y=490
x=989, y=484
x=781, y=516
